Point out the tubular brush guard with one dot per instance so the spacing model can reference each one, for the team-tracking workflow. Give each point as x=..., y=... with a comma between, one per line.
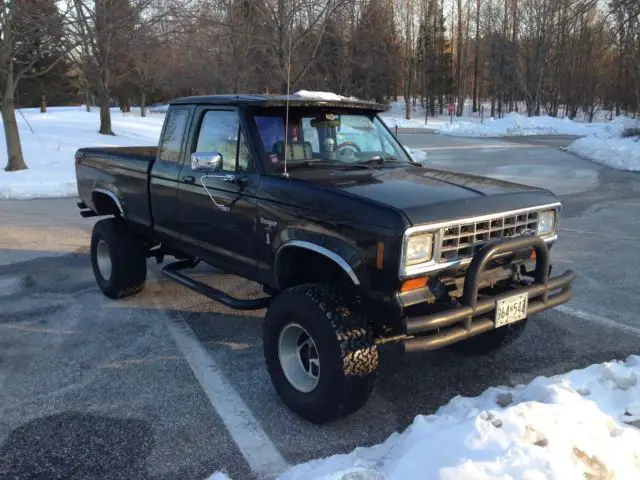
x=474, y=317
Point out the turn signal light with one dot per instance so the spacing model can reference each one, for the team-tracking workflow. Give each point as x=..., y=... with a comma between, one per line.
x=414, y=284
x=533, y=255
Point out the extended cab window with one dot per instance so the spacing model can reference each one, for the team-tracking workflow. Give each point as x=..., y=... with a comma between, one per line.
x=171, y=141
x=220, y=132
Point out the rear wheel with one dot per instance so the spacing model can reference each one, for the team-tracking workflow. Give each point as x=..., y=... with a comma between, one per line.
x=492, y=340
x=319, y=352
x=118, y=259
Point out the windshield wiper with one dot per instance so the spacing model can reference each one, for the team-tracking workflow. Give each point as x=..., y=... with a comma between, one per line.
x=379, y=160
x=311, y=163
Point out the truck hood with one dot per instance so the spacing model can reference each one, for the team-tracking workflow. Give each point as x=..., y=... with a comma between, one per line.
x=427, y=195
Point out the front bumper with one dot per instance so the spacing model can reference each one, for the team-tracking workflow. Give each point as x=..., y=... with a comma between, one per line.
x=473, y=316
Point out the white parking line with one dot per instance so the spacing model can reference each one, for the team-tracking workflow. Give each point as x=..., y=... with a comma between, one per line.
x=263, y=457
x=590, y=317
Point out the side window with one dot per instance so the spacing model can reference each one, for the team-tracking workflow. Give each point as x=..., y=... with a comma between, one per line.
x=220, y=132
x=171, y=141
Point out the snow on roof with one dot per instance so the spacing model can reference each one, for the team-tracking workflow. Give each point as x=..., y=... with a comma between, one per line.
x=329, y=96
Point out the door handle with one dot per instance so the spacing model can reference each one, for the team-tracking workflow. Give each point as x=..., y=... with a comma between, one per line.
x=188, y=179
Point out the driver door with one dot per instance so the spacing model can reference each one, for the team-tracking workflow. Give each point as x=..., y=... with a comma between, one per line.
x=218, y=204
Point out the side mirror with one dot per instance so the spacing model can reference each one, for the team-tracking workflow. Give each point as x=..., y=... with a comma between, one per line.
x=206, y=162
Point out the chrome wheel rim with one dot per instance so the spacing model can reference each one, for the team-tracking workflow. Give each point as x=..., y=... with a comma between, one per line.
x=103, y=260
x=299, y=358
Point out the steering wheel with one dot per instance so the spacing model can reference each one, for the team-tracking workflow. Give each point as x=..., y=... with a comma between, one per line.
x=345, y=145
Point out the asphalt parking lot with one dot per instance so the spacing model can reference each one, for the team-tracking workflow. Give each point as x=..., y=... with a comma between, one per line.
x=171, y=385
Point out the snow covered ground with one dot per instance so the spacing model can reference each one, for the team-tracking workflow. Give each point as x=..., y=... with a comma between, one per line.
x=581, y=424
x=50, y=140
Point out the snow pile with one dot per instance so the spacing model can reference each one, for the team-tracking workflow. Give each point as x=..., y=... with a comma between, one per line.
x=517, y=124
x=607, y=146
x=49, y=143
x=218, y=476
x=575, y=425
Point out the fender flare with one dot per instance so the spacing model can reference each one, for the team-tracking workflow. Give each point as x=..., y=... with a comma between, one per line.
x=340, y=250
x=111, y=195
x=341, y=262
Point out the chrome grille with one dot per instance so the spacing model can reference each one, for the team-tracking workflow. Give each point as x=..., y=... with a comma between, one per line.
x=463, y=240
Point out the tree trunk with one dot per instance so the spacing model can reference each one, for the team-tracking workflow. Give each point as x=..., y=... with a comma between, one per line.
x=460, y=86
x=11, y=135
x=407, y=100
x=105, y=112
x=143, y=105
x=43, y=105
x=477, y=55
x=87, y=95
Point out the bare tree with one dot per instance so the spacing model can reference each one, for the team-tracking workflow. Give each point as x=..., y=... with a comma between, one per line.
x=31, y=44
x=106, y=30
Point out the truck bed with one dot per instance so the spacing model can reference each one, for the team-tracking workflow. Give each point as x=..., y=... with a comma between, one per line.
x=135, y=158
x=125, y=169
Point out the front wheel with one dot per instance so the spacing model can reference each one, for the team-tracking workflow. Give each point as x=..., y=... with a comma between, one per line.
x=319, y=352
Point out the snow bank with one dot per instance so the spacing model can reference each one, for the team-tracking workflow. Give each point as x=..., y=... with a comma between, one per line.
x=575, y=425
x=516, y=124
x=607, y=146
x=50, y=140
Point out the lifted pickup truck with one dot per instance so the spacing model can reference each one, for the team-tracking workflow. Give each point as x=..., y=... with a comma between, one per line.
x=354, y=243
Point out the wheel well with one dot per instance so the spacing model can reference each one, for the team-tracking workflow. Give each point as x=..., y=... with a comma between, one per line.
x=104, y=204
x=297, y=265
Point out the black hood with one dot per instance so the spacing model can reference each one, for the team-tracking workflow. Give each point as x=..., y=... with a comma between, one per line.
x=427, y=195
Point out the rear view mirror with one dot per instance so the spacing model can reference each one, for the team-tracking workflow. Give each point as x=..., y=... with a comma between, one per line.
x=206, y=162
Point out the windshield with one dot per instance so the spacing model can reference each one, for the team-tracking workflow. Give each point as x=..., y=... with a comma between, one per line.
x=325, y=138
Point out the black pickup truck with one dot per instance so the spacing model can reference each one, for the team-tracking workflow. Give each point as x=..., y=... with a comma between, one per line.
x=355, y=244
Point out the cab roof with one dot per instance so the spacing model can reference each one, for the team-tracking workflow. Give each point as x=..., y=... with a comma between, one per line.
x=260, y=100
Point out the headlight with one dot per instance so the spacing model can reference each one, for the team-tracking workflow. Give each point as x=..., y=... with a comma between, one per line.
x=547, y=222
x=419, y=249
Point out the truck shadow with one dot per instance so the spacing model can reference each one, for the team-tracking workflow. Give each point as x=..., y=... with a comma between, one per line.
x=75, y=445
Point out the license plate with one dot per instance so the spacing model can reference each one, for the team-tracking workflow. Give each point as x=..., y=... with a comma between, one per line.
x=511, y=309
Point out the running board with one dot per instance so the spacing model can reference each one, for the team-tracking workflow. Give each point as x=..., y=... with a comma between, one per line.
x=172, y=271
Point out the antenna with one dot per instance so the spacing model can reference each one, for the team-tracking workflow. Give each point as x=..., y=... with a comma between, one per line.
x=286, y=121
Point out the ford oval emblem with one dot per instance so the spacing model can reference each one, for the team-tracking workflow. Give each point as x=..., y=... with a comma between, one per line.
x=528, y=232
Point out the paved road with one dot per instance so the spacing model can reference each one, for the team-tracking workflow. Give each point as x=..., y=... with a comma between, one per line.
x=171, y=385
